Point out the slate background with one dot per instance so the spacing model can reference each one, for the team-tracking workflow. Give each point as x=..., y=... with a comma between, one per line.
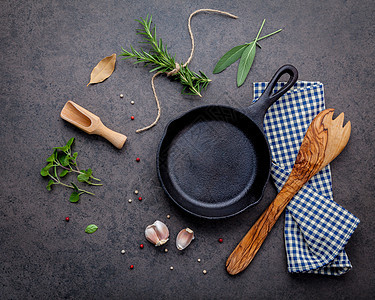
x=48, y=49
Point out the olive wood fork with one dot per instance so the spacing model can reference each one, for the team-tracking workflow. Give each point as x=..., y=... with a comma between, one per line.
x=324, y=140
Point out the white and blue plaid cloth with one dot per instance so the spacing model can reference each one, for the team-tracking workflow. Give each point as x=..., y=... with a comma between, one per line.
x=316, y=228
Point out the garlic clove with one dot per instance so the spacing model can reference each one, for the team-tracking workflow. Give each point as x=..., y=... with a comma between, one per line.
x=157, y=233
x=151, y=234
x=184, y=238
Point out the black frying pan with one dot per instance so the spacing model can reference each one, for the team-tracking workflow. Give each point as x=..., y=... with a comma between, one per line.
x=214, y=161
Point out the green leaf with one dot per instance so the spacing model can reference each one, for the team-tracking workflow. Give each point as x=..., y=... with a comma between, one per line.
x=245, y=64
x=83, y=177
x=91, y=228
x=70, y=142
x=64, y=149
x=52, y=157
x=64, y=159
x=75, y=187
x=229, y=58
x=45, y=171
x=64, y=172
x=88, y=172
x=67, y=160
x=74, y=197
x=50, y=183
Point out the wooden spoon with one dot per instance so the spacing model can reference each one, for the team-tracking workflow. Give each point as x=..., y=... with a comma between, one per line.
x=90, y=123
x=324, y=140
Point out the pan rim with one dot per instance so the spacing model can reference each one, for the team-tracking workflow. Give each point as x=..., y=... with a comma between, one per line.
x=241, y=111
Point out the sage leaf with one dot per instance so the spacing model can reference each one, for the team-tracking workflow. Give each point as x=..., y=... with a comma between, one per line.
x=245, y=64
x=91, y=228
x=247, y=54
x=74, y=197
x=103, y=69
x=229, y=58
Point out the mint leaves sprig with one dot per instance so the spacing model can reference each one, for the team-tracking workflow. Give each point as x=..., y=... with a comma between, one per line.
x=246, y=54
x=63, y=159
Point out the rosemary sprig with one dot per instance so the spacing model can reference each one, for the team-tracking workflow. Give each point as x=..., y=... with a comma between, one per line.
x=161, y=61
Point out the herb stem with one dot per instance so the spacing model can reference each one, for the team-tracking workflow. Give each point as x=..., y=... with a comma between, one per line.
x=53, y=178
x=97, y=179
x=266, y=36
x=263, y=37
x=70, y=186
x=76, y=171
x=261, y=27
x=83, y=191
x=98, y=184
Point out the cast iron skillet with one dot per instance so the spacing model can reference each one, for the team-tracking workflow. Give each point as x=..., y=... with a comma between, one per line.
x=214, y=161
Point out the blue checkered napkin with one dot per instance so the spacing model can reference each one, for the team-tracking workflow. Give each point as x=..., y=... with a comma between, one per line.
x=316, y=228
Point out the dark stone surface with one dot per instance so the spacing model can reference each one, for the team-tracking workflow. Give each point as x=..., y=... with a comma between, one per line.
x=48, y=49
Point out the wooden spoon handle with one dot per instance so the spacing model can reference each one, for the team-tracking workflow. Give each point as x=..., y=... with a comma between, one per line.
x=117, y=139
x=245, y=251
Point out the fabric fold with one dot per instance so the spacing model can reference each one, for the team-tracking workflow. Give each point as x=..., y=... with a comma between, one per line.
x=316, y=227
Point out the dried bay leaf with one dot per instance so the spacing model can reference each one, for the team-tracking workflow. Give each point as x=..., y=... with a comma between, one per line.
x=103, y=69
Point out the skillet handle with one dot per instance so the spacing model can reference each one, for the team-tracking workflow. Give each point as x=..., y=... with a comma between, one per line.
x=257, y=110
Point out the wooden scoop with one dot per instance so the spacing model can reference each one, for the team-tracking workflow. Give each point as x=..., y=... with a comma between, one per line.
x=90, y=123
x=324, y=140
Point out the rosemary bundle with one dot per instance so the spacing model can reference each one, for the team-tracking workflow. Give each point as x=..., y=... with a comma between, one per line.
x=162, y=62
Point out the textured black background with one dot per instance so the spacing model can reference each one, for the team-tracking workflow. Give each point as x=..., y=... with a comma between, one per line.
x=48, y=49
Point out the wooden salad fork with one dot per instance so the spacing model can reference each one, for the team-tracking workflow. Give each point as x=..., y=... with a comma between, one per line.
x=324, y=140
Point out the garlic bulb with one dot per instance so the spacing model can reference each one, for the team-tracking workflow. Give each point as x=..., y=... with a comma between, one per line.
x=157, y=233
x=184, y=238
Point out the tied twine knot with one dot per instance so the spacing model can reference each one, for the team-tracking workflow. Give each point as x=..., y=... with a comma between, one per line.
x=174, y=71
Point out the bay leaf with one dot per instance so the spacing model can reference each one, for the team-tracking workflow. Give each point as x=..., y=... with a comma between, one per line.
x=103, y=69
